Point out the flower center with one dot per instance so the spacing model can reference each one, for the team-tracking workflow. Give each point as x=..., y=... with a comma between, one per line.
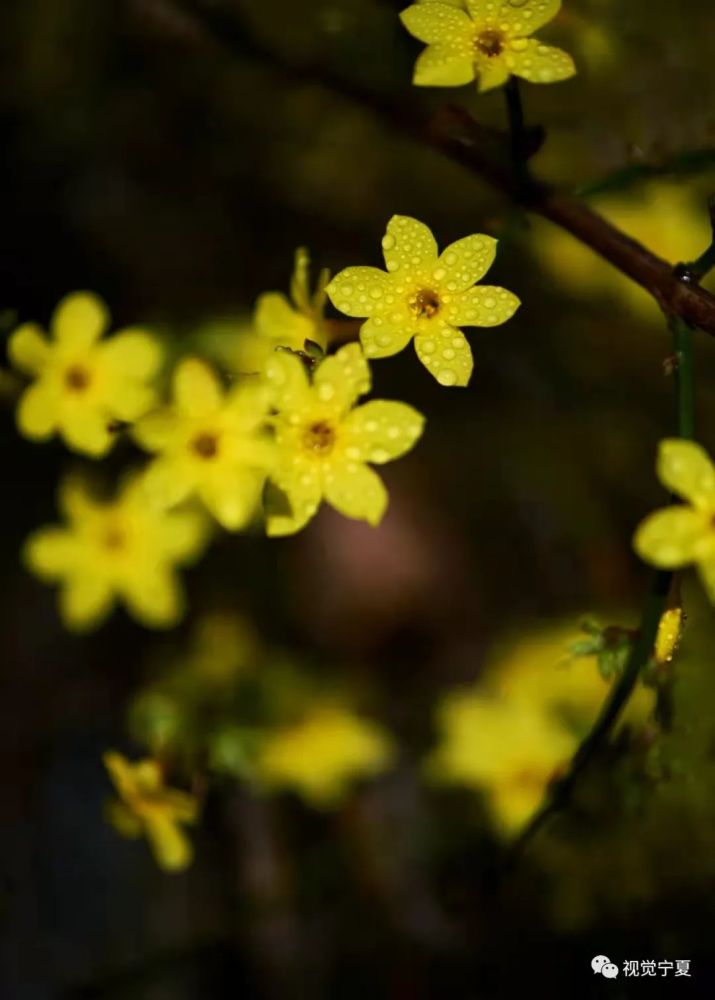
x=319, y=437
x=114, y=539
x=490, y=43
x=205, y=445
x=77, y=378
x=425, y=304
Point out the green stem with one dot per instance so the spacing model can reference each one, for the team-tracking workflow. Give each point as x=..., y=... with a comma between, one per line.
x=655, y=604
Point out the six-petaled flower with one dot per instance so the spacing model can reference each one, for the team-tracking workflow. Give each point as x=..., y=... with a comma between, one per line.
x=146, y=806
x=209, y=443
x=490, y=41
x=683, y=534
x=81, y=384
x=425, y=295
x=123, y=549
x=324, y=442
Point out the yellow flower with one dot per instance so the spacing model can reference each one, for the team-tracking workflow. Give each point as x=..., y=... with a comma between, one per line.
x=124, y=549
x=509, y=735
x=146, y=806
x=321, y=756
x=210, y=444
x=683, y=534
x=505, y=748
x=670, y=630
x=81, y=384
x=323, y=442
x=489, y=41
x=279, y=321
x=426, y=296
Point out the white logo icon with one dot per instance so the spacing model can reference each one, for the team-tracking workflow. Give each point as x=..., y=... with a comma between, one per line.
x=603, y=965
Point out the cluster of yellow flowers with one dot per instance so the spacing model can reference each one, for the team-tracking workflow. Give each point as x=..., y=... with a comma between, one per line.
x=232, y=707
x=291, y=431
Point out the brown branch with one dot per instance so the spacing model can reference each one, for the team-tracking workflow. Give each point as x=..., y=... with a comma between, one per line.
x=484, y=152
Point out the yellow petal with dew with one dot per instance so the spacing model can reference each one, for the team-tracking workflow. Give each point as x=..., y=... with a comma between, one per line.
x=492, y=73
x=170, y=845
x=446, y=354
x=382, y=430
x=276, y=320
x=538, y=63
x=197, y=390
x=483, y=305
x=686, y=469
x=437, y=22
x=408, y=246
x=359, y=291
x=520, y=18
x=85, y=601
x=382, y=338
x=37, y=412
x=79, y=321
x=465, y=262
x=356, y=491
x=670, y=538
x=28, y=349
x=443, y=66
x=297, y=500
x=287, y=379
x=341, y=378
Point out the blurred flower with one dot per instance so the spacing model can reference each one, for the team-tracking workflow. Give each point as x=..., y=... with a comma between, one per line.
x=147, y=806
x=663, y=216
x=123, y=549
x=510, y=734
x=324, y=442
x=320, y=757
x=82, y=385
x=210, y=444
x=683, y=534
x=424, y=296
x=488, y=42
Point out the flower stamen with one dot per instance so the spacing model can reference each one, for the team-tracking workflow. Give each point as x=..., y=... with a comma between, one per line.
x=77, y=378
x=490, y=43
x=425, y=304
x=319, y=437
x=205, y=445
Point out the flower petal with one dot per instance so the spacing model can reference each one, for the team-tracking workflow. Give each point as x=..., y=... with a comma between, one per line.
x=288, y=381
x=277, y=320
x=538, y=63
x=466, y=261
x=85, y=429
x=156, y=431
x=437, y=22
x=154, y=597
x=484, y=305
x=79, y=320
x=525, y=17
x=359, y=291
x=184, y=535
x=381, y=339
x=669, y=538
x=128, y=399
x=300, y=493
x=233, y=499
x=446, y=354
x=28, y=349
x=171, y=847
x=342, y=377
x=383, y=430
x=197, y=390
x=685, y=468
x=85, y=601
x=408, y=245
x=706, y=571
x=134, y=353
x=492, y=73
x=37, y=411
x=356, y=491
x=443, y=66
x=50, y=553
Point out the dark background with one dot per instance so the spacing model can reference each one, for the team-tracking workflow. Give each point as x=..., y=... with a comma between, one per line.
x=175, y=170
